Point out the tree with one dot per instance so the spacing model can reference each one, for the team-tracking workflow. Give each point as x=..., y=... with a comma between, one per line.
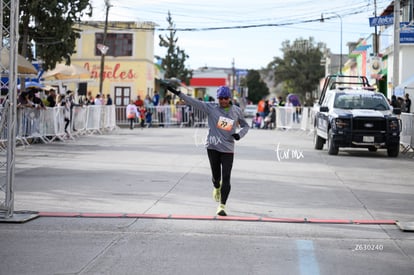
x=174, y=61
x=299, y=70
x=256, y=86
x=50, y=25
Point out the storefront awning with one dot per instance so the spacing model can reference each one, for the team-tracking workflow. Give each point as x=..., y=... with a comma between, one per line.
x=359, y=49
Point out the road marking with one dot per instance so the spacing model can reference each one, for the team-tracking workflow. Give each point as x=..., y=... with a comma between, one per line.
x=206, y=217
x=307, y=260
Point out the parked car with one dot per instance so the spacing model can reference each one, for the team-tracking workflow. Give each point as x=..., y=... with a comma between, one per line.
x=250, y=110
x=358, y=117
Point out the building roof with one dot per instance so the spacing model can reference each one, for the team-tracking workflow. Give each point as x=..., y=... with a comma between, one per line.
x=209, y=81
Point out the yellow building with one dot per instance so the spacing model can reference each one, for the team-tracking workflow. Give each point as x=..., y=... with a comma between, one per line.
x=128, y=64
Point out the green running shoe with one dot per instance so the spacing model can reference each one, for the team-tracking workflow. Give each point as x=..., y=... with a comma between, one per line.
x=221, y=210
x=217, y=193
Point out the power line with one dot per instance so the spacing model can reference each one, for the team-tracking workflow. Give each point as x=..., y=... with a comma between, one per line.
x=282, y=24
x=209, y=13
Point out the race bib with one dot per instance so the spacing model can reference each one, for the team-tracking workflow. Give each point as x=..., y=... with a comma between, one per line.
x=225, y=123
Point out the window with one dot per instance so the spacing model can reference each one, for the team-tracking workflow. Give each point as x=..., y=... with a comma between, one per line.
x=122, y=96
x=120, y=44
x=361, y=101
x=200, y=92
x=407, y=11
x=327, y=99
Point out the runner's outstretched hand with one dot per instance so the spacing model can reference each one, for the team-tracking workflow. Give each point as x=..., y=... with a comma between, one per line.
x=173, y=90
x=169, y=86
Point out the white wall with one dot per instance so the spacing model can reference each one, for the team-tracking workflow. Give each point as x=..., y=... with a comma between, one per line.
x=406, y=69
x=406, y=62
x=210, y=73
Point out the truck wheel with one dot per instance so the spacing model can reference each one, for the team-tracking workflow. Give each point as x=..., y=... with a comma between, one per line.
x=393, y=151
x=318, y=141
x=332, y=148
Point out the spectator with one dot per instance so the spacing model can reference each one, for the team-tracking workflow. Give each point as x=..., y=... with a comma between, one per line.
x=401, y=103
x=51, y=98
x=24, y=100
x=103, y=100
x=148, y=102
x=98, y=100
x=261, y=108
x=270, y=119
x=90, y=100
x=131, y=114
x=281, y=103
x=66, y=103
x=148, y=118
x=394, y=102
x=108, y=99
x=34, y=95
x=236, y=102
x=282, y=117
x=44, y=99
x=139, y=102
x=407, y=103
x=162, y=112
x=266, y=109
x=156, y=99
x=142, y=111
x=257, y=121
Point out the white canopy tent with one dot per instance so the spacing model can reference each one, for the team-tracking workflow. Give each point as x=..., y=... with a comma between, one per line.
x=23, y=66
x=63, y=74
x=406, y=87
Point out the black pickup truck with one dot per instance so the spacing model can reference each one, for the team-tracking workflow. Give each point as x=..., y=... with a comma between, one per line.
x=351, y=114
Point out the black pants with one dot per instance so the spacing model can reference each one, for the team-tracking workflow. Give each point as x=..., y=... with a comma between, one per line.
x=131, y=123
x=67, y=121
x=221, y=165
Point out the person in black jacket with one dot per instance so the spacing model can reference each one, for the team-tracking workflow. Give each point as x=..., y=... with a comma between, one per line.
x=407, y=104
x=51, y=98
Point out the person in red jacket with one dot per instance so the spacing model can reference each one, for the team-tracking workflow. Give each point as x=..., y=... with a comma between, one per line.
x=139, y=102
x=142, y=111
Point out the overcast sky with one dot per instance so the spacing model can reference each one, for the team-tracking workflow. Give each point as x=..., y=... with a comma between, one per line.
x=253, y=31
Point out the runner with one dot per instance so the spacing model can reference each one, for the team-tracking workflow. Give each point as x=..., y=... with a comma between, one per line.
x=223, y=121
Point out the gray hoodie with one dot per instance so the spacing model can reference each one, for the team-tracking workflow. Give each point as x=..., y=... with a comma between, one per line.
x=222, y=124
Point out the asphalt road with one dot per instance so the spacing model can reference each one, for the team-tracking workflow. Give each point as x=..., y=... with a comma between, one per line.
x=140, y=202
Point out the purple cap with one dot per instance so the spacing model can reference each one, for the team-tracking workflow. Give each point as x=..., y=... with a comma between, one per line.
x=223, y=91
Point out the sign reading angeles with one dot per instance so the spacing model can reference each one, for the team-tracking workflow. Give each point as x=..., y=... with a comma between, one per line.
x=381, y=20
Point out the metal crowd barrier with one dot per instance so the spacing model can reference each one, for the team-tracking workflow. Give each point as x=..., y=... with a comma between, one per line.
x=407, y=132
x=48, y=124
x=288, y=117
x=166, y=115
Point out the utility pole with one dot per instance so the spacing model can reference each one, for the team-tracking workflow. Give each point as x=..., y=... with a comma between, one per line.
x=396, y=53
x=233, y=76
x=101, y=76
x=340, y=38
x=376, y=50
x=376, y=46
